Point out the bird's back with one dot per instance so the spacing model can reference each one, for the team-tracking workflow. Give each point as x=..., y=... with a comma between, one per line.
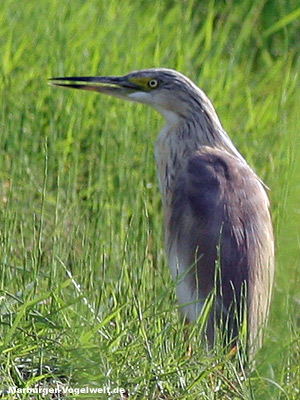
x=219, y=216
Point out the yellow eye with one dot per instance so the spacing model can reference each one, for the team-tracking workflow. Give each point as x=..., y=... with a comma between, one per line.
x=153, y=83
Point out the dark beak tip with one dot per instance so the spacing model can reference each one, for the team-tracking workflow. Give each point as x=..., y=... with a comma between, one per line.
x=93, y=83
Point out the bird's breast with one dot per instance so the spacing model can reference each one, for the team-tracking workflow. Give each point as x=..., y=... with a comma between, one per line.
x=162, y=158
x=171, y=153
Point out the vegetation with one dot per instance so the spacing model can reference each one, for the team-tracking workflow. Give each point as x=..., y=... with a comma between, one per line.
x=86, y=296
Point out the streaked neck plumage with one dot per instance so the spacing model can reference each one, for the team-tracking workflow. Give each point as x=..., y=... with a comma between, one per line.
x=184, y=135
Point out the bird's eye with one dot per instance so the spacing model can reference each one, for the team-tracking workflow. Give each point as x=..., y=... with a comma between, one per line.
x=153, y=83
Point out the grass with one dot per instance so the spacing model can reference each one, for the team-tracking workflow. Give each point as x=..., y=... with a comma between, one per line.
x=86, y=296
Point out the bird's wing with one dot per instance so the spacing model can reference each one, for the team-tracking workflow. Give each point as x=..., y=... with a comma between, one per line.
x=219, y=211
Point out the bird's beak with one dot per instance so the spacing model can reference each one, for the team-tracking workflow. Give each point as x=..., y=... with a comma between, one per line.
x=116, y=86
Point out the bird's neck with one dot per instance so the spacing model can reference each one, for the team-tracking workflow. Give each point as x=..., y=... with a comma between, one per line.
x=180, y=139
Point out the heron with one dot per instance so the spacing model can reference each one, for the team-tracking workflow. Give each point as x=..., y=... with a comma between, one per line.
x=216, y=209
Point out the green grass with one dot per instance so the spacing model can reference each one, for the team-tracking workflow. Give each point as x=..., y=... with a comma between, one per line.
x=80, y=203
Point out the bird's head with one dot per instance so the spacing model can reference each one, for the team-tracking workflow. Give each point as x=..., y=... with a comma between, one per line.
x=166, y=90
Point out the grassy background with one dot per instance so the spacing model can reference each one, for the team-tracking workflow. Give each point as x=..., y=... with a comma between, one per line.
x=80, y=203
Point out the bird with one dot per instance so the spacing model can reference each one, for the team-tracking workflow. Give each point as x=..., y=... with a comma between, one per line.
x=217, y=223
